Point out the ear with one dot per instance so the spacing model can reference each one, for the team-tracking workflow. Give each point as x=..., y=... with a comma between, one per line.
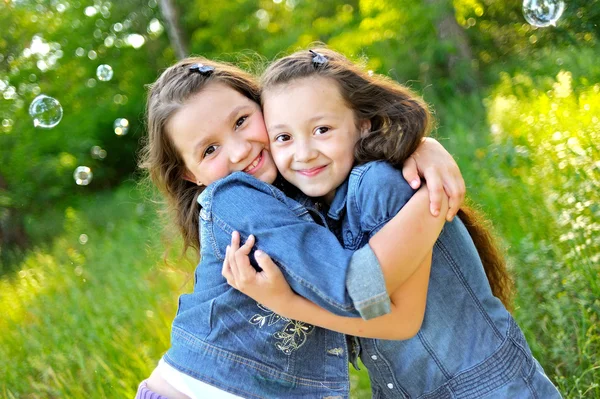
x=189, y=176
x=365, y=127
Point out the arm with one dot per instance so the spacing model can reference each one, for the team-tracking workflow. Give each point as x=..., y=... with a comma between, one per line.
x=432, y=162
x=401, y=228
x=269, y=288
x=405, y=241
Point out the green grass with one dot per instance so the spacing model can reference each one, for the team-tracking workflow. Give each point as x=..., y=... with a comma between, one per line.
x=93, y=319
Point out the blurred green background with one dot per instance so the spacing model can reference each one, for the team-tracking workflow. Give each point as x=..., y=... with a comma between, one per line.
x=89, y=275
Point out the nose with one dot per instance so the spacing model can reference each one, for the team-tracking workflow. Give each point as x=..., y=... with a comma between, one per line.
x=239, y=150
x=304, y=151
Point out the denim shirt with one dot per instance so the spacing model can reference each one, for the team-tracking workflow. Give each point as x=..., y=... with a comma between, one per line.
x=224, y=338
x=469, y=346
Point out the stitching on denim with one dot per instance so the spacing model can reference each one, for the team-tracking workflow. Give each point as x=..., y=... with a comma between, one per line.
x=211, y=349
x=486, y=376
x=431, y=352
x=286, y=336
x=440, y=245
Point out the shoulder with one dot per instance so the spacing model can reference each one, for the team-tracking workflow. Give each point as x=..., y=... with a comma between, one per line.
x=378, y=179
x=377, y=191
x=238, y=186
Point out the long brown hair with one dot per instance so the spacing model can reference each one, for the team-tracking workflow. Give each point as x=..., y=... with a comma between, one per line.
x=399, y=122
x=158, y=156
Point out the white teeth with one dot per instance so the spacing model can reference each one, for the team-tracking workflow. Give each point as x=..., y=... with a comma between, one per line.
x=253, y=164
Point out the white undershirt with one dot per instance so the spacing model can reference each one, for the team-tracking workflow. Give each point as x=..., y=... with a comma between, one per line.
x=190, y=386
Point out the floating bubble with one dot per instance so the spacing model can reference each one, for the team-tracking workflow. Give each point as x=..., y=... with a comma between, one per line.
x=83, y=239
x=121, y=126
x=542, y=13
x=83, y=175
x=104, y=72
x=45, y=111
x=97, y=152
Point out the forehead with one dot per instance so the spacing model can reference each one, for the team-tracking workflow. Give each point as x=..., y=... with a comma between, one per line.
x=321, y=91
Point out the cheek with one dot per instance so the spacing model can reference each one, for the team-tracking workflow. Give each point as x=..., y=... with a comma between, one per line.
x=280, y=157
x=212, y=171
x=258, y=131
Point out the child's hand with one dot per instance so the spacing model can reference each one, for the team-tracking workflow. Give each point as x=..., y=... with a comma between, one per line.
x=268, y=287
x=432, y=162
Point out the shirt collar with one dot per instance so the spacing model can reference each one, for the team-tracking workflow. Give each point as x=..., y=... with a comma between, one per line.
x=339, y=201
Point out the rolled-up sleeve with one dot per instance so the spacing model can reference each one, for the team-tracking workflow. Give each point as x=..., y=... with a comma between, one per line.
x=366, y=285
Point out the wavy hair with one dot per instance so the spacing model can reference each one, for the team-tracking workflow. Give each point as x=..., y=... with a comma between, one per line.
x=159, y=158
x=399, y=122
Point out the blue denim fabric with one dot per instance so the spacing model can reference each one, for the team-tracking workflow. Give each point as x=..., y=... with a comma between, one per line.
x=226, y=339
x=469, y=346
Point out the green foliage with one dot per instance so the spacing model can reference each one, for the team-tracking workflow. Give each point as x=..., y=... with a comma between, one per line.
x=72, y=312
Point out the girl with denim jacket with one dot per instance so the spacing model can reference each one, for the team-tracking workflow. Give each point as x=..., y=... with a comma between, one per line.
x=208, y=152
x=331, y=126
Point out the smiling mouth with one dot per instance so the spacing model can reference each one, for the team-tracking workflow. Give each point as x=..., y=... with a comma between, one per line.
x=255, y=164
x=312, y=171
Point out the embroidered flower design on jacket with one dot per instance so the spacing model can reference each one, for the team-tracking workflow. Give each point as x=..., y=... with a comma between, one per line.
x=291, y=337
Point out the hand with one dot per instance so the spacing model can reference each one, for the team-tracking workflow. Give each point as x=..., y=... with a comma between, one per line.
x=267, y=287
x=443, y=177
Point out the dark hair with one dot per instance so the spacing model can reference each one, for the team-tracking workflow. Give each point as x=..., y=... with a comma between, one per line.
x=399, y=122
x=158, y=156
x=399, y=118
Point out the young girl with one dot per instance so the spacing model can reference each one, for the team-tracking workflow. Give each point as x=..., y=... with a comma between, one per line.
x=205, y=126
x=324, y=115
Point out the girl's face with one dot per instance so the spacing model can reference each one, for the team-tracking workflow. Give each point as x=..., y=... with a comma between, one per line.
x=313, y=133
x=220, y=131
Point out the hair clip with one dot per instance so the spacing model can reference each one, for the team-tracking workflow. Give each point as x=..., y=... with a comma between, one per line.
x=202, y=69
x=318, y=59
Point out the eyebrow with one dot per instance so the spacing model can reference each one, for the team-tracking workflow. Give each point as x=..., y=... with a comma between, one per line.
x=229, y=120
x=314, y=119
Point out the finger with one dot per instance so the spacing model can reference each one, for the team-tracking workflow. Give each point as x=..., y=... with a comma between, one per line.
x=245, y=271
x=436, y=191
x=225, y=268
x=247, y=247
x=453, y=204
x=455, y=189
x=270, y=269
x=235, y=241
x=411, y=172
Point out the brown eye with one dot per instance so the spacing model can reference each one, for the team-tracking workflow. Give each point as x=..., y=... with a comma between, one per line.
x=240, y=121
x=209, y=150
x=283, y=137
x=321, y=130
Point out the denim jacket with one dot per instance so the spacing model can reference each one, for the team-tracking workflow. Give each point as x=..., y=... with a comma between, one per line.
x=224, y=338
x=469, y=346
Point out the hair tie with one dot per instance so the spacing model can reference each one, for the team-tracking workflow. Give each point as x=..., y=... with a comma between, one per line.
x=205, y=70
x=318, y=59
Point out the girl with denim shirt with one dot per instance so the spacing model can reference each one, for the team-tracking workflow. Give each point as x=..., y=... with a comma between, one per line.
x=208, y=145
x=327, y=116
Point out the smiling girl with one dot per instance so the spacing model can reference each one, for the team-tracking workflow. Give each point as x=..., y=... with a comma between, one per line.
x=208, y=152
x=325, y=115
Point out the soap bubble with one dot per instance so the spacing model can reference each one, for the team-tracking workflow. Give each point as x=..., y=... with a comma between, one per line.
x=98, y=152
x=45, y=111
x=542, y=13
x=104, y=72
x=83, y=239
x=121, y=126
x=83, y=175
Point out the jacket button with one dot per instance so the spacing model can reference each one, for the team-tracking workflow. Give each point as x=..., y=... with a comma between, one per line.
x=349, y=236
x=374, y=357
x=391, y=386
